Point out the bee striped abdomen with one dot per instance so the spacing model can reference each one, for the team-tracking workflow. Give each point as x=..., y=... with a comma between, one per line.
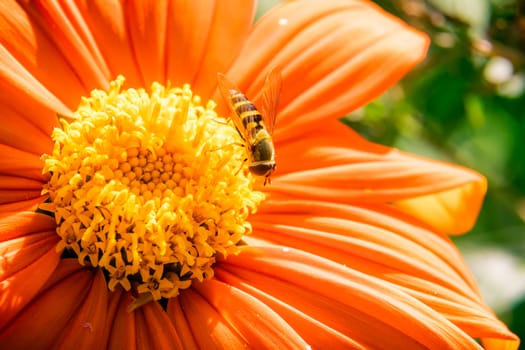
x=246, y=110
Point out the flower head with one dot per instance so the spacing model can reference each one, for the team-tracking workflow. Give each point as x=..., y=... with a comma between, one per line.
x=129, y=216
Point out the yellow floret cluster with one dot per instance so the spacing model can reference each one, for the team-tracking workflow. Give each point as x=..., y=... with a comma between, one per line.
x=149, y=187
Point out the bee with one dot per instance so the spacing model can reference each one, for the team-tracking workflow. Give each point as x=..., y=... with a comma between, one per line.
x=255, y=128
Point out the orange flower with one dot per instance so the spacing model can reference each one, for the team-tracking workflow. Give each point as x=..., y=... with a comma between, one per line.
x=348, y=247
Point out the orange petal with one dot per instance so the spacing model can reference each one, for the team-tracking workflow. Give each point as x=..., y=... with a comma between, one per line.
x=315, y=330
x=27, y=40
x=23, y=93
x=24, y=134
x=333, y=143
x=108, y=31
x=178, y=318
x=87, y=325
x=19, y=224
x=55, y=305
x=452, y=211
x=18, y=254
x=154, y=329
x=475, y=321
x=123, y=333
x=20, y=179
x=203, y=39
x=146, y=21
x=381, y=242
x=208, y=328
x=111, y=314
x=28, y=257
x=259, y=325
x=378, y=238
x=498, y=344
x=335, y=164
x=343, y=299
x=15, y=189
x=71, y=33
x=335, y=56
x=29, y=204
x=145, y=328
x=15, y=162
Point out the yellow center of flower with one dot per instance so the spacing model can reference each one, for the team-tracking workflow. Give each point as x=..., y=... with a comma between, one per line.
x=149, y=187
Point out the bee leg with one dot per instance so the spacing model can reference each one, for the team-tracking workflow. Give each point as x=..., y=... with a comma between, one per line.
x=230, y=123
x=225, y=122
x=240, y=168
x=224, y=146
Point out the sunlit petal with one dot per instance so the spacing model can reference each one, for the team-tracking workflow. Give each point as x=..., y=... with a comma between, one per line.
x=16, y=130
x=195, y=56
x=374, y=237
x=147, y=31
x=154, y=330
x=23, y=93
x=322, y=78
x=178, y=318
x=105, y=35
x=334, y=292
x=258, y=324
x=27, y=38
x=452, y=211
x=343, y=167
x=71, y=30
x=209, y=329
x=382, y=242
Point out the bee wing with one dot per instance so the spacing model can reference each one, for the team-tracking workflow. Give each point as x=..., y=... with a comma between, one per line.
x=271, y=96
x=227, y=89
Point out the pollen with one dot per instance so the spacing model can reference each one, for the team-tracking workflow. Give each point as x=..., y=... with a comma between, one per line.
x=150, y=187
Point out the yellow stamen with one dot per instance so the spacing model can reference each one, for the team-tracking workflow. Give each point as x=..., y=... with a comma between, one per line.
x=145, y=187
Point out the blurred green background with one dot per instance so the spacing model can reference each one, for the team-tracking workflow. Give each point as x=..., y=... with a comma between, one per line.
x=466, y=104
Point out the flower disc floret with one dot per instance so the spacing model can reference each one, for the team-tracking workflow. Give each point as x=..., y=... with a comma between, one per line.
x=149, y=187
